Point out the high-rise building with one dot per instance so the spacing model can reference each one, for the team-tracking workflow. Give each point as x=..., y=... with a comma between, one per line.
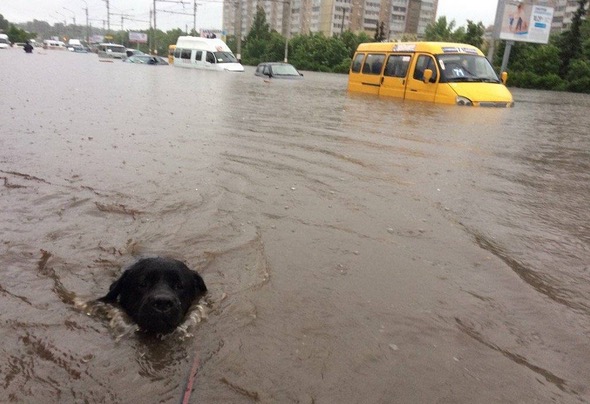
x=563, y=13
x=332, y=17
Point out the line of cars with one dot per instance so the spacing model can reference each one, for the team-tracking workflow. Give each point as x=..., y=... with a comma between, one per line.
x=128, y=55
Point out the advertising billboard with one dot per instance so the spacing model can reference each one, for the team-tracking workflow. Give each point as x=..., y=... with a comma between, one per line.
x=138, y=37
x=526, y=22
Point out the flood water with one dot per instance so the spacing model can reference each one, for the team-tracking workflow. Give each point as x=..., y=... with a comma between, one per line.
x=356, y=249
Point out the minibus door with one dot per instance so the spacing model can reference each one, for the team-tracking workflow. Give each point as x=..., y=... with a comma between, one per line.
x=393, y=83
x=370, y=76
x=416, y=88
x=198, y=58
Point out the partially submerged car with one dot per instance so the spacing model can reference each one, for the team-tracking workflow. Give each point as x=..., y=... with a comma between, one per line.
x=277, y=70
x=4, y=42
x=146, y=60
x=134, y=52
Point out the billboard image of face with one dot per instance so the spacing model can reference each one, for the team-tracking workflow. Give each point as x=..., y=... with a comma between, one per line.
x=526, y=22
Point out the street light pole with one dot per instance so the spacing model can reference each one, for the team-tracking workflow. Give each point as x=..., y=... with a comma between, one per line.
x=288, y=30
x=64, y=17
x=73, y=14
x=239, y=31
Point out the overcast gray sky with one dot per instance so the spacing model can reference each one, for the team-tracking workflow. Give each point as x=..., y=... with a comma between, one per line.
x=209, y=12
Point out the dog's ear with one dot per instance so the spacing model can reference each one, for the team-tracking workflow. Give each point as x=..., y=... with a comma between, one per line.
x=200, y=287
x=115, y=289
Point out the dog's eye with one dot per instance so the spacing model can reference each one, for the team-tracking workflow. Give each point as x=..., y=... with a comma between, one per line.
x=178, y=286
x=143, y=284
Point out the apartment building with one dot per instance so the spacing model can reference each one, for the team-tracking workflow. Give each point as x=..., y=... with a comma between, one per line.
x=563, y=13
x=332, y=17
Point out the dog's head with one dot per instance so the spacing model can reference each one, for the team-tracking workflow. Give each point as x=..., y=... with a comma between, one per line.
x=156, y=293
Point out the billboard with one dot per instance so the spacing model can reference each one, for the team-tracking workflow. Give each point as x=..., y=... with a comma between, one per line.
x=211, y=33
x=138, y=37
x=526, y=22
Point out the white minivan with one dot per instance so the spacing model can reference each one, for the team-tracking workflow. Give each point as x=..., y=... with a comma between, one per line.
x=111, y=50
x=205, y=53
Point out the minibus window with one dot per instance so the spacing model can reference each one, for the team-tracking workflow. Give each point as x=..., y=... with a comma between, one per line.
x=177, y=53
x=397, y=66
x=198, y=56
x=210, y=57
x=185, y=54
x=425, y=62
x=373, y=63
x=357, y=63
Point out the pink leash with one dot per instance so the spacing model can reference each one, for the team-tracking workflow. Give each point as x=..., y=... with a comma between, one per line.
x=191, y=378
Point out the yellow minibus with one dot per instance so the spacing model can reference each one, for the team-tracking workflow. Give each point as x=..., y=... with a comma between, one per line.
x=439, y=72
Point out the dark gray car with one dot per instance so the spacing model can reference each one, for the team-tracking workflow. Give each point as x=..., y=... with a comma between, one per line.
x=277, y=70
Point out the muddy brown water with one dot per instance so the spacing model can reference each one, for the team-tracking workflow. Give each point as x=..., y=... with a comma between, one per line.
x=357, y=249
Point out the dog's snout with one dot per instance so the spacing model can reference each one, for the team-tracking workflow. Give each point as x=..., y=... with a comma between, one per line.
x=162, y=304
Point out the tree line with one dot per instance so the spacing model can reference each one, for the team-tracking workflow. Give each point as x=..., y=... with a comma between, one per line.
x=563, y=64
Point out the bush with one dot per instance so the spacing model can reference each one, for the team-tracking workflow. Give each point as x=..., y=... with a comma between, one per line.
x=529, y=79
x=581, y=85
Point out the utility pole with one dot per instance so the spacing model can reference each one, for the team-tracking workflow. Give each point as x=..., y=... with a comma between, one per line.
x=496, y=31
x=108, y=16
x=155, y=43
x=342, y=26
x=123, y=17
x=194, y=17
x=73, y=14
x=164, y=11
x=151, y=45
x=87, y=26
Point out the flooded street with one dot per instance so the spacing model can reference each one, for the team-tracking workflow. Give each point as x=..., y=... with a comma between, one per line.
x=356, y=249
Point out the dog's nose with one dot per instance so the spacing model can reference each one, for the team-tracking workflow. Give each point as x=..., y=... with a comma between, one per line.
x=162, y=304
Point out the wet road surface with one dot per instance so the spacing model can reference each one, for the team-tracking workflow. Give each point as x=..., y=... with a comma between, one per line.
x=356, y=249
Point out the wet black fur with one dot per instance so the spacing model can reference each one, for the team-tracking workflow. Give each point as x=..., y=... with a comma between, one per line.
x=156, y=293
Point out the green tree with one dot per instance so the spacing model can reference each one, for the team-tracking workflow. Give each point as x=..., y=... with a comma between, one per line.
x=258, y=45
x=571, y=44
x=440, y=30
x=316, y=52
x=351, y=40
x=16, y=34
x=4, y=24
x=260, y=29
x=474, y=33
x=380, y=32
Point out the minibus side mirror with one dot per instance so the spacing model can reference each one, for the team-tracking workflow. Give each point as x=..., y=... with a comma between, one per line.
x=427, y=75
x=504, y=77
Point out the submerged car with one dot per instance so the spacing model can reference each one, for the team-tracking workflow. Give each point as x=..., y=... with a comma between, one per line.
x=134, y=52
x=277, y=70
x=4, y=43
x=79, y=49
x=146, y=60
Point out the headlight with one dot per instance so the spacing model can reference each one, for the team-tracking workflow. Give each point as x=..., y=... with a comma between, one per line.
x=463, y=101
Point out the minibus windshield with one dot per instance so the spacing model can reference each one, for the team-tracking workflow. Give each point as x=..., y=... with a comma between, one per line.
x=466, y=68
x=225, y=57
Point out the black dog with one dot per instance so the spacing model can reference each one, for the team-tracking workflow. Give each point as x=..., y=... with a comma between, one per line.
x=156, y=293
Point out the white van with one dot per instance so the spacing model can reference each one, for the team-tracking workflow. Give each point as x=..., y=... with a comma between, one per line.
x=111, y=50
x=205, y=53
x=53, y=44
x=4, y=41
